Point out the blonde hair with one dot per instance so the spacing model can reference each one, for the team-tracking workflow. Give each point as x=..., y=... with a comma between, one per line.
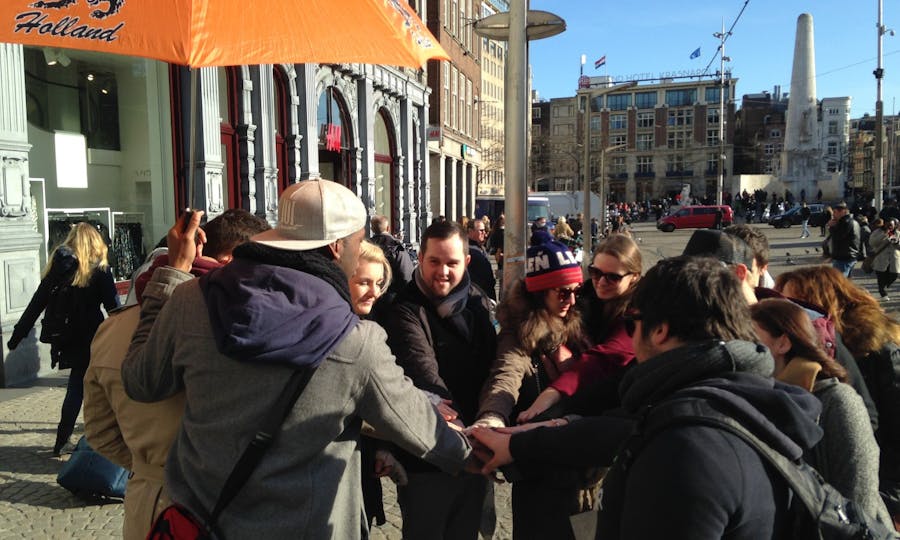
x=89, y=250
x=369, y=252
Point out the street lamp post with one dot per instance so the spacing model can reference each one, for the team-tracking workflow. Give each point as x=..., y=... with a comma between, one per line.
x=602, y=183
x=585, y=95
x=517, y=26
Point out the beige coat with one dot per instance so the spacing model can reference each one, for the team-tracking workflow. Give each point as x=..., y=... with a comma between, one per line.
x=134, y=435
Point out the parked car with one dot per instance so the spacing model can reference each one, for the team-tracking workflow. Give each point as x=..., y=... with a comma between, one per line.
x=695, y=217
x=792, y=217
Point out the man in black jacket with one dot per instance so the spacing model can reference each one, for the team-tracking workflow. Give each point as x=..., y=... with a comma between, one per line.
x=401, y=263
x=693, y=341
x=440, y=330
x=480, y=270
x=845, y=237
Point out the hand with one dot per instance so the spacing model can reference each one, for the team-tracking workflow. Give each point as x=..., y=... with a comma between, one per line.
x=526, y=415
x=183, y=240
x=387, y=465
x=555, y=422
x=11, y=345
x=445, y=408
x=493, y=449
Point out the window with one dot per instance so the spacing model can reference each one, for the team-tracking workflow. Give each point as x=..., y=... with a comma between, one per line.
x=681, y=98
x=645, y=164
x=832, y=127
x=563, y=129
x=646, y=119
x=678, y=139
x=453, y=16
x=712, y=162
x=712, y=137
x=617, y=165
x=645, y=141
x=775, y=134
x=681, y=117
x=536, y=130
x=618, y=121
x=617, y=140
x=712, y=117
x=595, y=143
x=468, y=107
x=618, y=102
x=832, y=148
x=454, y=85
x=445, y=101
x=536, y=113
x=769, y=149
x=675, y=163
x=645, y=100
x=712, y=95
x=595, y=123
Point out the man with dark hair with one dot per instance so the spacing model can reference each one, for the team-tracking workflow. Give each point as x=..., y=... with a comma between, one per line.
x=730, y=250
x=440, y=330
x=401, y=263
x=115, y=425
x=845, y=239
x=759, y=245
x=232, y=340
x=694, y=342
x=805, y=213
x=479, y=265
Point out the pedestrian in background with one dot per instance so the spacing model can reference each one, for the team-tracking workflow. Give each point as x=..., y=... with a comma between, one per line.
x=76, y=282
x=805, y=212
x=845, y=240
x=885, y=243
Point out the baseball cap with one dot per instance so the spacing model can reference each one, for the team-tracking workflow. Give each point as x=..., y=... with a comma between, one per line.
x=312, y=214
x=841, y=205
x=728, y=248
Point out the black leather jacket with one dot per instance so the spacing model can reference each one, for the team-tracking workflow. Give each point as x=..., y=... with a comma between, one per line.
x=846, y=244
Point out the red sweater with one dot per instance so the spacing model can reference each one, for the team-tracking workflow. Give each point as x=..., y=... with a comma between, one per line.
x=601, y=361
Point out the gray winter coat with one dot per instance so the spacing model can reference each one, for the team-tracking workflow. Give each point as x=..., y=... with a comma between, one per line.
x=888, y=260
x=308, y=484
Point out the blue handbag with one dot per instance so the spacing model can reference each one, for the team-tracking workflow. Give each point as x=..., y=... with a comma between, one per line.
x=88, y=474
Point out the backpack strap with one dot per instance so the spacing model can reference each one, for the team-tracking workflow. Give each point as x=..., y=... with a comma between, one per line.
x=803, y=480
x=261, y=442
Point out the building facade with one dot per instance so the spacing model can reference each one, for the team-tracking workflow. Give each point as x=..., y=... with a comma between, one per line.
x=490, y=103
x=860, y=184
x=454, y=121
x=104, y=139
x=759, y=133
x=646, y=142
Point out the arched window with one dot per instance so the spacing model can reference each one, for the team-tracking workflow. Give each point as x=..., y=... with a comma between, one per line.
x=282, y=127
x=334, y=137
x=384, y=167
x=229, y=113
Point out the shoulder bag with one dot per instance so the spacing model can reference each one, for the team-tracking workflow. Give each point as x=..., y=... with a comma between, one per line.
x=177, y=522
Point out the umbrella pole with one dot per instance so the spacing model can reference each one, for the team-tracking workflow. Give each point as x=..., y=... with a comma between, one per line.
x=192, y=138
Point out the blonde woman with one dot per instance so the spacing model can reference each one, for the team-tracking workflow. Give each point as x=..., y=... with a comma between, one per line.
x=371, y=279
x=75, y=283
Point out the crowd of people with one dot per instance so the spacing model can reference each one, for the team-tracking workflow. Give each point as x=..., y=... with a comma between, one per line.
x=565, y=388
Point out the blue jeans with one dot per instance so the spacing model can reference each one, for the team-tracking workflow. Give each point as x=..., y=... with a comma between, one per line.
x=805, y=232
x=844, y=266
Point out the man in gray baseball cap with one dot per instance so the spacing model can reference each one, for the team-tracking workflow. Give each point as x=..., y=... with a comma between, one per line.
x=231, y=341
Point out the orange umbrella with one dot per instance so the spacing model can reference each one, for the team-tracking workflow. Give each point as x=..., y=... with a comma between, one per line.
x=199, y=33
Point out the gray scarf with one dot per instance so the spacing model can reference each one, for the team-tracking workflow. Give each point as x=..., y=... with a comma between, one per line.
x=449, y=305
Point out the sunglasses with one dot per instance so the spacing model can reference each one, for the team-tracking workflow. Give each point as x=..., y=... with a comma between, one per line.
x=629, y=317
x=597, y=274
x=564, y=293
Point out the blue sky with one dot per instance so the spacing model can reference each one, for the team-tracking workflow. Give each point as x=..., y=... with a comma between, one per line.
x=653, y=36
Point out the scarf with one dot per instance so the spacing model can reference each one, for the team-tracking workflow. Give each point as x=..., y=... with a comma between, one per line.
x=447, y=306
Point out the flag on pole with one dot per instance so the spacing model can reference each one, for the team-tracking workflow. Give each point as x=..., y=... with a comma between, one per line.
x=696, y=53
x=600, y=62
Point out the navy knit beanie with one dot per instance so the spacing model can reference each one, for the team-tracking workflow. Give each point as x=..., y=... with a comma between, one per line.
x=550, y=264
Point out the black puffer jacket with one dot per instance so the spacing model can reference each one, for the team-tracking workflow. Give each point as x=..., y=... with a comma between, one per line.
x=101, y=290
x=846, y=240
x=882, y=374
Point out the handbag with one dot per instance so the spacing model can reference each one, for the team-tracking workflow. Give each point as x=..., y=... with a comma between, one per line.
x=869, y=261
x=177, y=522
x=89, y=474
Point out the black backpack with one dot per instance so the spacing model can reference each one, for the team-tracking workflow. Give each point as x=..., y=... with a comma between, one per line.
x=819, y=511
x=57, y=326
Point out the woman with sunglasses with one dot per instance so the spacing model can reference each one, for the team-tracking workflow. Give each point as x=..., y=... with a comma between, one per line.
x=614, y=272
x=540, y=336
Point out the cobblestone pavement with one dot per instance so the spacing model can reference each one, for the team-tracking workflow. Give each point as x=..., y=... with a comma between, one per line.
x=33, y=505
